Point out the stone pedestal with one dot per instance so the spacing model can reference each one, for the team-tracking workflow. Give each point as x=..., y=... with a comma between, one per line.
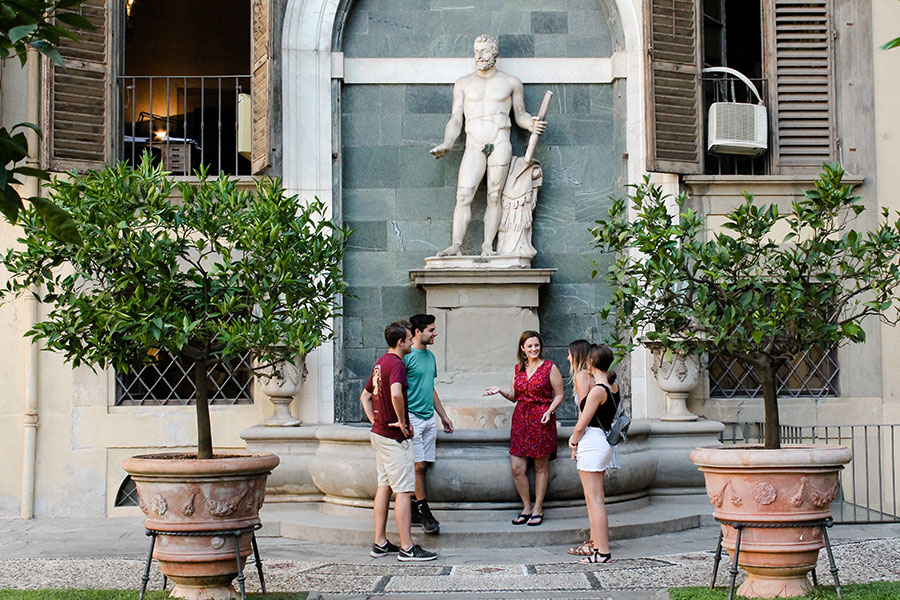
x=480, y=314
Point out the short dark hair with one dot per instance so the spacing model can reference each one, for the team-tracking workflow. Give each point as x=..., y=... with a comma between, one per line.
x=420, y=322
x=396, y=332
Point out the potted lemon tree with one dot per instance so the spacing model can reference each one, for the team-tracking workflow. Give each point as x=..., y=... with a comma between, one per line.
x=206, y=274
x=764, y=289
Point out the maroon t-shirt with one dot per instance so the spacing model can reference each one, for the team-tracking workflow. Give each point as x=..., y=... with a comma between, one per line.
x=389, y=369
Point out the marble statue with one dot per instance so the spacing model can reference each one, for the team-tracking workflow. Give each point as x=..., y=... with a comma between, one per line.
x=482, y=100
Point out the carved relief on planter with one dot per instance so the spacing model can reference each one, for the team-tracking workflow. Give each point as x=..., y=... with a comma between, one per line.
x=818, y=498
x=718, y=498
x=764, y=493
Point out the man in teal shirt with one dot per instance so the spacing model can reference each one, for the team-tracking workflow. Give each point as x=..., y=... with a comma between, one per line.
x=421, y=370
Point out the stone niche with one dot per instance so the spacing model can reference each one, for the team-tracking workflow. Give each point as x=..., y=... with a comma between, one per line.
x=399, y=200
x=480, y=314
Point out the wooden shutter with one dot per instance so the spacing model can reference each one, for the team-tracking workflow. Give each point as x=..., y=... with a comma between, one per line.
x=77, y=115
x=262, y=24
x=800, y=70
x=673, y=86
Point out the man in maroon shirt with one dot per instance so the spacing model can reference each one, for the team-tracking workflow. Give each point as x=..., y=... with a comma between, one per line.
x=384, y=400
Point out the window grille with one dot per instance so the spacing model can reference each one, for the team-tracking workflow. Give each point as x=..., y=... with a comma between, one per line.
x=127, y=494
x=170, y=382
x=813, y=374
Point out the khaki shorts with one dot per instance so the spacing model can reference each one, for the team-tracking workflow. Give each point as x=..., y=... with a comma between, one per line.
x=395, y=463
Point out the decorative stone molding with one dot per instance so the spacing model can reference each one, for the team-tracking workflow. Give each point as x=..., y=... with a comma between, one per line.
x=281, y=384
x=676, y=377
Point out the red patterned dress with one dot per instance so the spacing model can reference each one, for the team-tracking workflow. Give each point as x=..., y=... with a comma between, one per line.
x=527, y=436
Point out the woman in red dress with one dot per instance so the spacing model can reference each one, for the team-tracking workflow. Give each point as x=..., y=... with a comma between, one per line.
x=537, y=391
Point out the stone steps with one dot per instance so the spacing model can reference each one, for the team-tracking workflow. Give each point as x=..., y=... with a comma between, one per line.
x=315, y=522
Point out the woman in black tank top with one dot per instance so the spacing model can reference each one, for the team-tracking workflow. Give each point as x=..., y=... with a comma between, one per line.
x=598, y=409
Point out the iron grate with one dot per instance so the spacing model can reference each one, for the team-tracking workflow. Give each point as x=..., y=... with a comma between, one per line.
x=814, y=373
x=127, y=495
x=170, y=382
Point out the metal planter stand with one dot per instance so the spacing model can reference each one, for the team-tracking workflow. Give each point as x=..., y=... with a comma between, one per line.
x=739, y=526
x=235, y=535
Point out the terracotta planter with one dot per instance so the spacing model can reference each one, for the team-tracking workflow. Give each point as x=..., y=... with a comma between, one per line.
x=179, y=493
x=753, y=485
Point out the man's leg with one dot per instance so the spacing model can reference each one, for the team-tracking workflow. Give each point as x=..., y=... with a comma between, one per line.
x=471, y=170
x=424, y=453
x=418, y=427
x=497, y=169
x=421, y=467
x=382, y=502
x=401, y=513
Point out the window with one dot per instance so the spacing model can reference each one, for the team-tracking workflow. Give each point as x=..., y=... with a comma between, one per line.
x=732, y=38
x=790, y=52
x=170, y=382
x=186, y=83
x=127, y=494
x=812, y=374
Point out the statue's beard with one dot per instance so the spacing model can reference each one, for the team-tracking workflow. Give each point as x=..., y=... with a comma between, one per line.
x=485, y=64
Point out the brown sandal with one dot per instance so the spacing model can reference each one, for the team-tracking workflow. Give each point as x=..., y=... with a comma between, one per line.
x=585, y=549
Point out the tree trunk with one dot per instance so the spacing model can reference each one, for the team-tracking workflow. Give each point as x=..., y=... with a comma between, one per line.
x=770, y=399
x=204, y=433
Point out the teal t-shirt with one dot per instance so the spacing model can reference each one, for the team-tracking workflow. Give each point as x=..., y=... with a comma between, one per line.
x=421, y=369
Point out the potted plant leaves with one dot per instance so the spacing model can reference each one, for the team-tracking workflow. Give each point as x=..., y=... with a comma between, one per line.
x=206, y=274
x=766, y=287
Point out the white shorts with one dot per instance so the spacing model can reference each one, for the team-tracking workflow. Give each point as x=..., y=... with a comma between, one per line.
x=424, y=437
x=594, y=452
x=394, y=463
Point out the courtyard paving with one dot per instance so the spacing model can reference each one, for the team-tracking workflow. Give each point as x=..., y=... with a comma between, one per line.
x=110, y=553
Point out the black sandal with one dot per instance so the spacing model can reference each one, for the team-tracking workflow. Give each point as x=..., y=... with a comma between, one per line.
x=521, y=519
x=596, y=558
x=535, y=520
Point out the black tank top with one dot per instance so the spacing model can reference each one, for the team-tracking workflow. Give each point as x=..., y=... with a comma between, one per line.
x=606, y=412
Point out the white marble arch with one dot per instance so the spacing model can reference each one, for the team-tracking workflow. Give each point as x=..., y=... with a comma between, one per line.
x=308, y=67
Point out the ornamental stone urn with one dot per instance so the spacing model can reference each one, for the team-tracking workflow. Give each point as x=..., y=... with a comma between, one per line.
x=194, y=504
x=778, y=495
x=281, y=384
x=676, y=377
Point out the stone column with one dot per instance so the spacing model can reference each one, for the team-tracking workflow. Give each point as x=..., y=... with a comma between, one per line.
x=480, y=312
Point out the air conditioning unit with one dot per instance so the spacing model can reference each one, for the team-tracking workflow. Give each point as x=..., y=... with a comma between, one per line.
x=738, y=128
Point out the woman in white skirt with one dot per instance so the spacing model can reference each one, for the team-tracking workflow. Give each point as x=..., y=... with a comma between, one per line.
x=593, y=453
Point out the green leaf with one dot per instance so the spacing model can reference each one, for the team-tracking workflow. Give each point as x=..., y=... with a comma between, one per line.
x=891, y=44
x=17, y=34
x=49, y=51
x=32, y=172
x=10, y=204
x=59, y=223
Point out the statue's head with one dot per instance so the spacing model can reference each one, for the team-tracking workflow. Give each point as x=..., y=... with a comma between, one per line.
x=486, y=52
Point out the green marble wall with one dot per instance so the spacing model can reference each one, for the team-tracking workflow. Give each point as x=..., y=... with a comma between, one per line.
x=399, y=200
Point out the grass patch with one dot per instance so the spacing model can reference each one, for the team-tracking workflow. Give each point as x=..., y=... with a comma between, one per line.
x=878, y=590
x=119, y=595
